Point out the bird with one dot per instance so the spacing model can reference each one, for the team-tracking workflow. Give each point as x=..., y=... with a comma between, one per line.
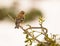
x=19, y=19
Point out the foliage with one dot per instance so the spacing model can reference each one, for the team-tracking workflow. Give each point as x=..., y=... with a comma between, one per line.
x=30, y=36
x=29, y=16
x=3, y=13
x=32, y=14
x=11, y=11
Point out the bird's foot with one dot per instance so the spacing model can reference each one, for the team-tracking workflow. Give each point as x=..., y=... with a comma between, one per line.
x=16, y=27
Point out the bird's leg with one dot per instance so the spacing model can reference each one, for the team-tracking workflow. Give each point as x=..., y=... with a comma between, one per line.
x=17, y=25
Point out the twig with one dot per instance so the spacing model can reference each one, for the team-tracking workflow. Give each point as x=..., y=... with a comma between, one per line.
x=38, y=28
x=37, y=35
x=11, y=18
x=25, y=30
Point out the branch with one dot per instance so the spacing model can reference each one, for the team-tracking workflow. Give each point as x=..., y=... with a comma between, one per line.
x=11, y=18
x=25, y=30
x=46, y=30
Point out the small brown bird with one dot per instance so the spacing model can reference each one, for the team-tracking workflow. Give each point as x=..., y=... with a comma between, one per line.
x=19, y=19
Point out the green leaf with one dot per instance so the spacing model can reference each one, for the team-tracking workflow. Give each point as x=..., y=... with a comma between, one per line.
x=30, y=42
x=26, y=36
x=38, y=44
x=26, y=40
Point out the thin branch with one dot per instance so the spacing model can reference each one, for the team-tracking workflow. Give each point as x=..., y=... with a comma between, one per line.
x=37, y=35
x=25, y=30
x=38, y=28
x=11, y=18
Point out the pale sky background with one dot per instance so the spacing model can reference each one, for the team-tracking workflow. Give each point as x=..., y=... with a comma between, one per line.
x=15, y=37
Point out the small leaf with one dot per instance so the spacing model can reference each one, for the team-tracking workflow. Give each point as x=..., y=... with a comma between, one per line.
x=26, y=40
x=26, y=36
x=24, y=32
x=41, y=19
x=38, y=44
x=30, y=42
x=26, y=45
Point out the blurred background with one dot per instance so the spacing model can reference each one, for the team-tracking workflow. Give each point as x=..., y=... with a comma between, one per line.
x=33, y=9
